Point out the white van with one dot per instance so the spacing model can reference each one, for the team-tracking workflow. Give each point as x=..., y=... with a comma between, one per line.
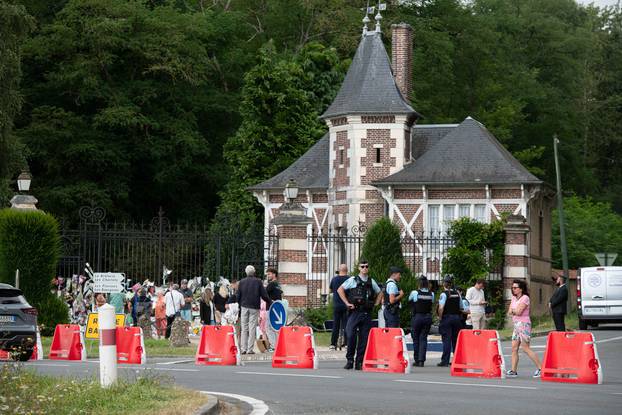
x=599, y=296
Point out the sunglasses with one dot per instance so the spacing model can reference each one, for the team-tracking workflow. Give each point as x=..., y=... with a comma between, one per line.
x=514, y=288
x=363, y=266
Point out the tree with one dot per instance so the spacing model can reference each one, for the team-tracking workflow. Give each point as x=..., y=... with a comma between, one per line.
x=382, y=248
x=282, y=99
x=591, y=227
x=128, y=106
x=15, y=24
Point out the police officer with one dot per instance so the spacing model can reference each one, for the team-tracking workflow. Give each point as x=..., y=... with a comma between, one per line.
x=392, y=297
x=421, y=301
x=360, y=294
x=450, y=316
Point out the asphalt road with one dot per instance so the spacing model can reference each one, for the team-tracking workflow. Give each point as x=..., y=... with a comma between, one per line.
x=428, y=390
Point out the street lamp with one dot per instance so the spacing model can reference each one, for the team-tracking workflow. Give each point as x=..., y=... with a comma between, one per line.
x=23, y=181
x=22, y=200
x=291, y=191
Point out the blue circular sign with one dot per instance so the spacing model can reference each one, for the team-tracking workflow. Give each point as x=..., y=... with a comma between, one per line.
x=277, y=315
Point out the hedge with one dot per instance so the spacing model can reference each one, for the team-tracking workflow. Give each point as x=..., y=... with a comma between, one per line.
x=30, y=242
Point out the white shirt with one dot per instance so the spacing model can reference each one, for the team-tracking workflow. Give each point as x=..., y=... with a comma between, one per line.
x=475, y=297
x=174, y=302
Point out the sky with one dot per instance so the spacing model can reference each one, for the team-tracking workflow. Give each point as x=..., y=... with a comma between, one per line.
x=600, y=3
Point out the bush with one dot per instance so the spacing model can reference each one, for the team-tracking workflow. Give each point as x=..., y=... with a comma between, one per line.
x=52, y=311
x=382, y=248
x=317, y=316
x=30, y=242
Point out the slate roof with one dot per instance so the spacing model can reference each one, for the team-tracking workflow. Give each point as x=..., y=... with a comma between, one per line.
x=469, y=154
x=310, y=171
x=369, y=86
x=426, y=136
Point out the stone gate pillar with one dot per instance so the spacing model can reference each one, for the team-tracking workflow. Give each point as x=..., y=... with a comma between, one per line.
x=516, y=254
x=291, y=225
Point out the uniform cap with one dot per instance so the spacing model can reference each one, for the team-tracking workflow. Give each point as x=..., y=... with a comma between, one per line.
x=395, y=270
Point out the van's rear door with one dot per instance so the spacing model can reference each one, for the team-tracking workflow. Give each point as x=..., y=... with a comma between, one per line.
x=594, y=291
x=614, y=290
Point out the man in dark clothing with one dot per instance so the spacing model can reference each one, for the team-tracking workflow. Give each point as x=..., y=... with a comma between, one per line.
x=275, y=293
x=340, y=311
x=249, y=295
x=557, y=304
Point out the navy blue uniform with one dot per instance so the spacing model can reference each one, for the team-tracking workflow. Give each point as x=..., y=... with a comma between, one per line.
x=362, y=294
x=421, y=304
x=391, y=311
x=340, y=311
x=451, y=322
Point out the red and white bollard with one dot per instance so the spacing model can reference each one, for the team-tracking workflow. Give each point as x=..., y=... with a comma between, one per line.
x=107, y=345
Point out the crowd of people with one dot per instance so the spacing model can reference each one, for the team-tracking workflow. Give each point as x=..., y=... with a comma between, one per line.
x=354, y=298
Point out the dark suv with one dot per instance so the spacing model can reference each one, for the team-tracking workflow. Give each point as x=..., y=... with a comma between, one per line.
x=18, y=323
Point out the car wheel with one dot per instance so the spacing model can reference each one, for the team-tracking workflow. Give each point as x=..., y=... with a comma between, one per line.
x=582, y=324
x=23, y=356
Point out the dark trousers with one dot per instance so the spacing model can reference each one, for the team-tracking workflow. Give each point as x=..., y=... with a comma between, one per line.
x=169, y=324
x=450, y=326
x=357, y=331
x=559, y=320
x=390, y=319
x=420, y=328
x=340, y=319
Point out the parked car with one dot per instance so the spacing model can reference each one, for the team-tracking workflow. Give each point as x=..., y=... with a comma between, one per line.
x=18, y=323
x=599, y=296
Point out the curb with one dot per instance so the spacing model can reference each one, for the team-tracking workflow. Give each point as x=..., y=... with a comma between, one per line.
x=210, y=408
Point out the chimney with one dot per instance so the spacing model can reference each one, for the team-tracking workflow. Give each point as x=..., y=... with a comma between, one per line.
x=402, y=57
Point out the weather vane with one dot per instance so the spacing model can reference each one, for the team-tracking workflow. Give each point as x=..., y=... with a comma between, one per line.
x=370, y=10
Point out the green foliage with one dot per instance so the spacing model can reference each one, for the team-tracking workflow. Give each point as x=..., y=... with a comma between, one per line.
x=30, y=242
x=282, y=99
x=317, y=316
x=382, y=248
x=478, y=250
x=591, y=227
x=15, y=24
x=52, y=311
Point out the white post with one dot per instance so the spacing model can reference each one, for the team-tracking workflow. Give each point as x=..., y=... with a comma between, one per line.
x=107, y=345
x=17, y=279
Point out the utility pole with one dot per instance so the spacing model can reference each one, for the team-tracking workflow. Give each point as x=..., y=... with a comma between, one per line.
x=560, y=210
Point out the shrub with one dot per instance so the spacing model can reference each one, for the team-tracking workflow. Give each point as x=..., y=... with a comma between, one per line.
x=52, y=311
x=317, y=316
x=30, y=242
x=382, y=248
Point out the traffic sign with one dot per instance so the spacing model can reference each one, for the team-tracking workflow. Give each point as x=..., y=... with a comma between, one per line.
x=108, y=282
x=278, y=315
x=606, y=258
x=92, y=325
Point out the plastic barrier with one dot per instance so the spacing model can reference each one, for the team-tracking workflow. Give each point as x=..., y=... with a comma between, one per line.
x=130, y=345
x=295, y=348
x=218, y=346
x=571, y=357
x=478, y=354
x=68, y=343
x=386, y=351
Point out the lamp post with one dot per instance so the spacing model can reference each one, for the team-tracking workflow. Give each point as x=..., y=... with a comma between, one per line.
x=22, y=200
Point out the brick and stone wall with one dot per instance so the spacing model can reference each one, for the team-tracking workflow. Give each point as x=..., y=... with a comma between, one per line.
x=401, y=57
x=377, y=140
x=292, y=266
x=341, y=170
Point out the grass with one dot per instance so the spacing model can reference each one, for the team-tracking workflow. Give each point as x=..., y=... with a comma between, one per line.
x=154, y=348
x=26, y=392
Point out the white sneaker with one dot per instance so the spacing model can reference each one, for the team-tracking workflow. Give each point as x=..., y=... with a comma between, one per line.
x=537, y=373
x=511, y=374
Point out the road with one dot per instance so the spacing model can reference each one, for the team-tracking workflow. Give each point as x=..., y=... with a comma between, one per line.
x=428, y=390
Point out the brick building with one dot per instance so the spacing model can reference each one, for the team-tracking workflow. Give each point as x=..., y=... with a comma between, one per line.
x=377, y=160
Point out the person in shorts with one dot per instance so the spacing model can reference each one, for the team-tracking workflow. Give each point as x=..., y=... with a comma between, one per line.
x=521, y=336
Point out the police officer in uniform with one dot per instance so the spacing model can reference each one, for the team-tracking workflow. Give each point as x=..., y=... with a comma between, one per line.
x=421, y=301
x=392, y=298
x=450, y=316
x=360, y=294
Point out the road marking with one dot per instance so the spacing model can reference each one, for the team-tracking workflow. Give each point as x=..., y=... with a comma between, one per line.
x=466, y=384
x=259, y=407
x=616, y=393
x=290, y=374
x=609, y=340
x=175, y=362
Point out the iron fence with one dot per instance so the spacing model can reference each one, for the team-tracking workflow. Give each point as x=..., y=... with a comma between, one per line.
x=142, y=251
